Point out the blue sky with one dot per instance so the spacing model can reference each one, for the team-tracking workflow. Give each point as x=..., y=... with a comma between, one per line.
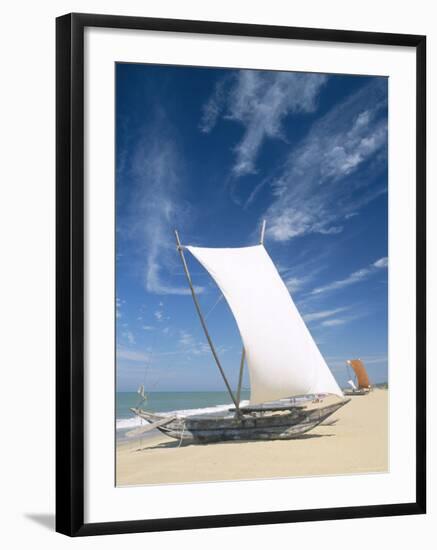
x=212, y=152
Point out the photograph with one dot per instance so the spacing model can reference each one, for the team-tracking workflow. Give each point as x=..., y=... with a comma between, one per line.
x=251, y=274
x=218, y=275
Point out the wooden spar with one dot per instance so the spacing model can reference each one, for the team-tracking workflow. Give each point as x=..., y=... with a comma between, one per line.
x=149, y=427
x=263, y=230
x=202, y=322
x=240, y=377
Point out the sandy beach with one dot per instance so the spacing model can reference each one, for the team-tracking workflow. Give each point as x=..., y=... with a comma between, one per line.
x=353, y=440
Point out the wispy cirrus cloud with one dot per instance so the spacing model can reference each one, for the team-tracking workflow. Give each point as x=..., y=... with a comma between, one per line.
x=335, y=170
x=118, y=305
x=324, y=314
x=355, y=277
x=127, y=354
x=382, y=262
x=334, y=322
x=190, y=345
x=129, y=336
x=294, y=283
x=213, y=108
x=259, y=101
x=132, y=355
x=299, y=277
x=333, y=317
x=156, y=207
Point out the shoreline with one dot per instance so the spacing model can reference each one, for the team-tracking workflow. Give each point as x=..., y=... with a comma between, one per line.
x=352, y=440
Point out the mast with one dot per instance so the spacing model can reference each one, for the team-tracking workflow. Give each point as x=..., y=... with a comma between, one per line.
x=263, y=230
x=240, y=376
x=202, y=322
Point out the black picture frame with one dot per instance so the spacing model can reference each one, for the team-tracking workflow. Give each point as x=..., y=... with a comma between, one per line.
x=70, y=273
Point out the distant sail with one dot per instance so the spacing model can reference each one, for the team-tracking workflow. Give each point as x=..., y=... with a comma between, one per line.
x=360, y=371
x=282, y=357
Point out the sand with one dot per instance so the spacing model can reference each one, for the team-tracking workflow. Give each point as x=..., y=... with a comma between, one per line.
x=353, y=440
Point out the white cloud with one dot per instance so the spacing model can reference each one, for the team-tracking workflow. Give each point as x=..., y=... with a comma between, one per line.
x=128, y=335
x=191, y=345
x=155, y=208
x=351, y=215
x=185, y=338
x=294, y=284
x=315, y=191
x=319, y=315
x=259, y=101
x=118, y=304
x=354, y=277
x=129, y=355
x=213, y=108
x=303, y=270
x=375, y=359
x=382, y=262
x=158, y=315
x=148, y=327
x=329, y=317
x=333, y=322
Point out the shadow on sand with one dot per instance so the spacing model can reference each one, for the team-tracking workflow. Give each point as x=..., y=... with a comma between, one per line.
x=176, y=444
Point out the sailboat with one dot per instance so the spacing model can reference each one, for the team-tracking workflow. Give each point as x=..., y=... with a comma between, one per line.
x=362, y=385
x=292, y=389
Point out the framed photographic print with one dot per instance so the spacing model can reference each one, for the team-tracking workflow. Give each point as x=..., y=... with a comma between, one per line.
x=240, y=274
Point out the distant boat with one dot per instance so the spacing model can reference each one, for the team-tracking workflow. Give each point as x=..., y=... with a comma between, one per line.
x=292, y=389
x=362, y=385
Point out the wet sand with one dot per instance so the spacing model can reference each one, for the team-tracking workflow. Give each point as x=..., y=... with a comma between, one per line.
x=353, y=440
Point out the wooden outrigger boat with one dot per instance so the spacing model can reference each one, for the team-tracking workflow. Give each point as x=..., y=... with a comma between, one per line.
x=292, y=388
x=268, y=421
x=362, y=385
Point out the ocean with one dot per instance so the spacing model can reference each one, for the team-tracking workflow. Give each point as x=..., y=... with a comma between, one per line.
x=168, y=402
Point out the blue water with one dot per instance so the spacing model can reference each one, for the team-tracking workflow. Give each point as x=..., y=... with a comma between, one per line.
x=168, y=402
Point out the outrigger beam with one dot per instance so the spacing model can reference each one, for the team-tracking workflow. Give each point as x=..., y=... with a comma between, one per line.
x=202, y=322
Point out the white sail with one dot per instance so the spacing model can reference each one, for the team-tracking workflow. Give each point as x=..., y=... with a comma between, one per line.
x=282, y=357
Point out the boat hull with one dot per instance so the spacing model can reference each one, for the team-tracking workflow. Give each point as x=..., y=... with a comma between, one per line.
x=266, y=425
x=358, y=391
